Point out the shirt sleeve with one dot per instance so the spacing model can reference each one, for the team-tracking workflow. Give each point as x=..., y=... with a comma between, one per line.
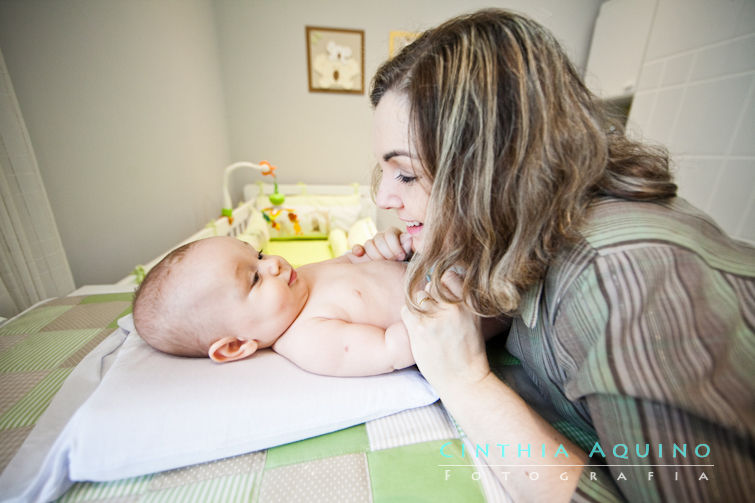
x=658, y=350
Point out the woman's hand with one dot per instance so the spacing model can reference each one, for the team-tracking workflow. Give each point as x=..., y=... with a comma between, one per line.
x=447, y=343
x=391, y=244
x=449, y=350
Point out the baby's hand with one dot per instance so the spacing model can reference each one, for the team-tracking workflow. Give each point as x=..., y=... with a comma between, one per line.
x=391, y=244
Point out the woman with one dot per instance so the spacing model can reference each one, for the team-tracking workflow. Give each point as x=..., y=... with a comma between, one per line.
x=632, y=313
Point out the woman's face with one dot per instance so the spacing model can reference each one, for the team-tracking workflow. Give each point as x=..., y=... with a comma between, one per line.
x=404, y=184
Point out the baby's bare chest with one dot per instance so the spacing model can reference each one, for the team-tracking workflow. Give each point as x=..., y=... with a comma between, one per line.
x=370, y=293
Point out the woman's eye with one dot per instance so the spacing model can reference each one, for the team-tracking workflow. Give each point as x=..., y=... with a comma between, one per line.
x=405, y=179
x=259, y=256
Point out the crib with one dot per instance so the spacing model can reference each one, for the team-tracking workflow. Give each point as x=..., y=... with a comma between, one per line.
x=58, y=356
x=355, y=217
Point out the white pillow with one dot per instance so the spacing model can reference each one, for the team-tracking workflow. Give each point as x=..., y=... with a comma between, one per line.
x=155, y=412
x=339, y=244
x=362, y=230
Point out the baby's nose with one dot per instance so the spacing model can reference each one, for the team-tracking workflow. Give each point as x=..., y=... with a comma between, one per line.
x=273, y=265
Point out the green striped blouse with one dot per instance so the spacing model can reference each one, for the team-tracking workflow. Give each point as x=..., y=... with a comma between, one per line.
x=640, y=341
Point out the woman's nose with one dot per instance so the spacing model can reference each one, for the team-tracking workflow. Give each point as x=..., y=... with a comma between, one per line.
x=386, y=196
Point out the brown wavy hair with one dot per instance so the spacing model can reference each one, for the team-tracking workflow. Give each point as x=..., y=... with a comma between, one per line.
x=517, y=148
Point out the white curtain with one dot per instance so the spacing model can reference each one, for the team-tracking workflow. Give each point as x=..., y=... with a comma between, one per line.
x=33, y=263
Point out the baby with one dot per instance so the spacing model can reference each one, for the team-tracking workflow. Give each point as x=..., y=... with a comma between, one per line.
x=221, y=298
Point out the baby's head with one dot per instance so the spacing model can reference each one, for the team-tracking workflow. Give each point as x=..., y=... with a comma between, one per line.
x=217, y=297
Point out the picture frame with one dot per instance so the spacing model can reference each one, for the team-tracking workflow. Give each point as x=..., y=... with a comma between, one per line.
x=400, y=39
x=335, y=60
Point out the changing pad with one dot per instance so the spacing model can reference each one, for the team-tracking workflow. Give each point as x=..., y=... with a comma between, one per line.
x=154, y=412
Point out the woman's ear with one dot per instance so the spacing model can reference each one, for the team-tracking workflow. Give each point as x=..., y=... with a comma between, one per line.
x=229, y=349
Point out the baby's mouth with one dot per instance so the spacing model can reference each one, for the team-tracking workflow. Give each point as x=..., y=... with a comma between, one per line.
x=292, y=277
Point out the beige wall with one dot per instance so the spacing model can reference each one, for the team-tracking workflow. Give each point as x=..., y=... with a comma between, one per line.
x=124, y=107
x=326, y=138
x=696, y=95
x=135, y=106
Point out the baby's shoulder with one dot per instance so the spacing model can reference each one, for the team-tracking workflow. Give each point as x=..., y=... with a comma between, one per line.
x=381, y=267
x=332, y=271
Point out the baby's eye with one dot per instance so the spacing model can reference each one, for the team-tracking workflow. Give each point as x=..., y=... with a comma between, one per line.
x=256, y=278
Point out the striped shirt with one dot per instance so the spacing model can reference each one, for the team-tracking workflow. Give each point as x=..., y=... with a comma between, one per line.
x=640, y=340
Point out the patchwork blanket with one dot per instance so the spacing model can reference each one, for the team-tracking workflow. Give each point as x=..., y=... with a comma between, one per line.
x=394, y=458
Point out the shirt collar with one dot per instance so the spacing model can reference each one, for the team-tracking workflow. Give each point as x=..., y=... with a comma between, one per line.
x=529, y=307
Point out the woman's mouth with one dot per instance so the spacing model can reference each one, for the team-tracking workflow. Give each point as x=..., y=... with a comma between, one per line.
x=414, y=228
x=292, y=277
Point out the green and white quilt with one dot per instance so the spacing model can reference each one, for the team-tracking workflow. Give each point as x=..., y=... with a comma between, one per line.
x=394, y=458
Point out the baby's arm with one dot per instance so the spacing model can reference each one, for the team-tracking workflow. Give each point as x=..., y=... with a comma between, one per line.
x=339, y=348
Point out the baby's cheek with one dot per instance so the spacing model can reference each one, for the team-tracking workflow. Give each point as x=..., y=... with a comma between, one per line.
x=291, y=306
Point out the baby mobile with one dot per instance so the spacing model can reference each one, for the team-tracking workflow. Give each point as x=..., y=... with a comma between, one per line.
x=277, y=199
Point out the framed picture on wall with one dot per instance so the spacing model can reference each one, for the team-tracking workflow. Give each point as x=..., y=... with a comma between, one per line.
x=335, y=60
x=399, y=40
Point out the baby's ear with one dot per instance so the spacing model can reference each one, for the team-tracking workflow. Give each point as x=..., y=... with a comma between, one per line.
x=229, y=349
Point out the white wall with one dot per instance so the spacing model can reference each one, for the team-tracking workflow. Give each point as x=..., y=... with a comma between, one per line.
x=135, y=106
x=124, y=107
x=697, y=96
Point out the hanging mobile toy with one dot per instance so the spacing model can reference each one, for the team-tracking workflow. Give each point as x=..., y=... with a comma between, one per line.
x=276, y=198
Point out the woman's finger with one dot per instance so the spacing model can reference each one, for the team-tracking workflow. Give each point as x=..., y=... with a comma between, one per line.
x=423, y=297
x=358, y=250
x=371, y=250
x=385, y=245
x=454, y=282
x=406, y=242
x=389, y=246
